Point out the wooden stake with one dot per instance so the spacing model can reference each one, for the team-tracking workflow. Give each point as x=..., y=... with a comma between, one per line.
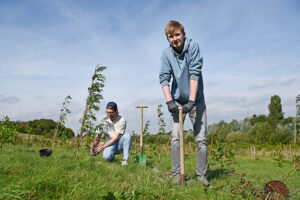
x=181, y=144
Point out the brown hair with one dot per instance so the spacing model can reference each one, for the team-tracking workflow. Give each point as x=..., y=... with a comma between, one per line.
x=172, y=25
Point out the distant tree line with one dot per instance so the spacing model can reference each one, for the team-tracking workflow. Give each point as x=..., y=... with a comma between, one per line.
x=262, y=129
x=272, y=129
x=259, y=129
x=45, y=127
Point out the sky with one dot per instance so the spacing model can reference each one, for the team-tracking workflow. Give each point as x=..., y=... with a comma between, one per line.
x=50, y=48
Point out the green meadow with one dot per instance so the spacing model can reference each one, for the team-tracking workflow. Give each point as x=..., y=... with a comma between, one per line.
x=26, y=175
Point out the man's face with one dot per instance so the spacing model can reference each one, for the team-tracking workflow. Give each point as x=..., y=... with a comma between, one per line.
x=112, y=115
x=176, y=39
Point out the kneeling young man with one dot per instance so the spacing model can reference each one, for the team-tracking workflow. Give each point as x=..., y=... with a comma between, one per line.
x=116, y=140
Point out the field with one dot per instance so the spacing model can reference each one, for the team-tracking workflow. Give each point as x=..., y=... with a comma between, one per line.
x=26, y=175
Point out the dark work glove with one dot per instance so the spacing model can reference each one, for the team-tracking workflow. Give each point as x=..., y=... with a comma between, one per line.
x=172, y=107
x=188, y=107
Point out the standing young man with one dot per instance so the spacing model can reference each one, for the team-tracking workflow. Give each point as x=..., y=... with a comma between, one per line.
x=116, y=140
x=182, y=62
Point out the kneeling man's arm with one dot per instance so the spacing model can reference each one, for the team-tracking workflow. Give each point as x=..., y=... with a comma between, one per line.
x=97, y=139
x=107, y=144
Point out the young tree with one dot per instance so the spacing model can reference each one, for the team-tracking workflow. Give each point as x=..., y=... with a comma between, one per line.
x=298, y=114
x=92, y=104
x=8, y=130
x=161, y=122
x=297, y=127
x=146, y=128
x=62, y=118
x=161, y=126
x=275, y=110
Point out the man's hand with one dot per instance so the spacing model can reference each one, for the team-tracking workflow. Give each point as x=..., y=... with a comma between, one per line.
x=188, y=107
x=99, y=148
x=172, y=107
x=93, y=151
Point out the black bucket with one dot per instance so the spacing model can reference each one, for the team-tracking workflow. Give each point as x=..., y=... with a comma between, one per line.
x=45, y=152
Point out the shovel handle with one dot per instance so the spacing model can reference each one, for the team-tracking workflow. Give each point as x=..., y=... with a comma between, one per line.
x=142, y=107
x=141, y=135
x=181, y=145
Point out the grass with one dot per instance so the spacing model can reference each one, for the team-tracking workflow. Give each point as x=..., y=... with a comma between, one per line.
x=26, y=175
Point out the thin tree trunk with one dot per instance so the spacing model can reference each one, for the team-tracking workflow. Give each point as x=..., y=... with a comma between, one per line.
x=81, y=132
x=55, y=134
x=295, y=137
x=290, y=153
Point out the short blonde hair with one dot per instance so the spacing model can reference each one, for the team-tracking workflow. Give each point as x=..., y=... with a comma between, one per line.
x=172, y=25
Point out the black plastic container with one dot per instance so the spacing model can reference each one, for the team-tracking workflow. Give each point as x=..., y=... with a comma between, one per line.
x=45, y=152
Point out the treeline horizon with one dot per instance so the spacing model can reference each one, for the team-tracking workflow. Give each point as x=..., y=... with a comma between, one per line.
x=273, y=128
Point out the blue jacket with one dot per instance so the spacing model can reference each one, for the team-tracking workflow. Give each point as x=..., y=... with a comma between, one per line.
x=182, y=68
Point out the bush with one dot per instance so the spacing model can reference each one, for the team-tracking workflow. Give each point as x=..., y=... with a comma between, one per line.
x=265, y=133
x=258, y=119
x=236, y=137
x=282, y=136
x=44, y=127
x=261, y=133
x=8, y=130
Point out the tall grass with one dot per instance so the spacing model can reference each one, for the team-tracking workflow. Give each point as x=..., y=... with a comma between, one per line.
x=26, y=175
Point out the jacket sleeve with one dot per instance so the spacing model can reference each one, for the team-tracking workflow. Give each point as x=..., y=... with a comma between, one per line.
x=165, y=70
x=196, y=62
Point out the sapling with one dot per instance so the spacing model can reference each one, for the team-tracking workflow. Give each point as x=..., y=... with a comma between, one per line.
x=161, y=127
x=134, y=136
x=93, y=100
x=146, y=128
x=62, y=118
x=297, y=125
x=8, y=130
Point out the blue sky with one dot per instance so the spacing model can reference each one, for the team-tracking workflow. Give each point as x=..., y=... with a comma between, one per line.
x=49, y=49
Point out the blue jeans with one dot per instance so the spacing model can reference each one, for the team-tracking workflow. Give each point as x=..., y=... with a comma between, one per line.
x=122, y=146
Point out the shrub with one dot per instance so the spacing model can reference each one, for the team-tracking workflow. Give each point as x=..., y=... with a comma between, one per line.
x=265, y=133
x=281, y=136
x=236, y=137
x=8, y=130
x=261, y=133
x=258, y=119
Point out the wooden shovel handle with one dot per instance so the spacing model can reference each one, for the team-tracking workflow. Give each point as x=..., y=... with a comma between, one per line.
x=181, y=145
x=141, y=135
x=141, y=106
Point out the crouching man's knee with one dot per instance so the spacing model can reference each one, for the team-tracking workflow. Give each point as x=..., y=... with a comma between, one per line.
x=108, y=156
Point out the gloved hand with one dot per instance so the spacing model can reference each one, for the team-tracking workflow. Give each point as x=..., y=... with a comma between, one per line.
x=188, y=107
x=172, y=107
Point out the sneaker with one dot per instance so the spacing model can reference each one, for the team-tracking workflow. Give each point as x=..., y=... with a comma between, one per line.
x=203, y=180
x=124, y=162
